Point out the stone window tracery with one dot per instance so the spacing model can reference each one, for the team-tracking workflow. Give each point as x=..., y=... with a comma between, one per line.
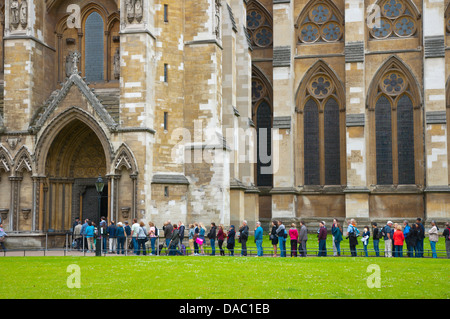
x=259, y=25
x=397, y=20
x=320, y=23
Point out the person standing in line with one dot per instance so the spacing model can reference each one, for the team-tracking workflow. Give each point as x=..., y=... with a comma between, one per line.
x=293, y=235
x=302, y=239
x=191, y=238
x=386, y=231
x=259, y=239
x=243, y=237
x=220, y=239
x=282, y=235
x=134, y=235
x=174, y=240
x=111, y=230
x=336, y=231
x=406, y=231
x=120, y=236
x=142, y=239
x=376, y=239
x=201, y=235
x=103, y=232
x=273, y=237
x=365, y=239
x=322, y=240
x=181, y=230
x=231, y=240
x=77, y=236
x=127, y=230
x=420, y=237
x=83, y=233
x=3, y=236
x=153, y=237
x=412, y=239
x=433, y=234
x=398, y=239
x=168, y=228
x=446, y=235
x=352, y=235
x=90, y=230
x=196, y=234
x=212, y=238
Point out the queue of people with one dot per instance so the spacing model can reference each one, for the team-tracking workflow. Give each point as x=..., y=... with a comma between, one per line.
x=140, y=239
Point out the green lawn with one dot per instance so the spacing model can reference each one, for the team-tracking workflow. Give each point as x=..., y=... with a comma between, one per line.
x=223, y=277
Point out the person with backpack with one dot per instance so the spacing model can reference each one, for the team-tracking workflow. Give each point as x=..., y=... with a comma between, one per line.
x=352, y=236
x=120, y=235
x=386, y=233
x=111, y=230
x=243, y=237
x=420, y=237
x=174, y=240
x=376, y=239
x=282, y=235
x=322, y=239
x=446, y=235
x=212, y=238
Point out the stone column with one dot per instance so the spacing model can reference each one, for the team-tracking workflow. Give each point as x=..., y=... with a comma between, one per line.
x=357, y=192
x=437, y=204
x=284, y=192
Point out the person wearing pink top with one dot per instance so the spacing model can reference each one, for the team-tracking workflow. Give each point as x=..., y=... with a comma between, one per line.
x=293, y=235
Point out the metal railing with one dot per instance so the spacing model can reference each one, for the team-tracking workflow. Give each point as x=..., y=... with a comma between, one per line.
x=81, y=250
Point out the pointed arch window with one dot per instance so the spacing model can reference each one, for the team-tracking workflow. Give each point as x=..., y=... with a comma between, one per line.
x=320, y=105
x=94, y=48
x=398, y=20
x=320, y=21
x=259, y=25
x=396, y=135
x=263, y=119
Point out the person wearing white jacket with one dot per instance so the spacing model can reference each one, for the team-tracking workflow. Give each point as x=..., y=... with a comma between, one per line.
x=434, y=237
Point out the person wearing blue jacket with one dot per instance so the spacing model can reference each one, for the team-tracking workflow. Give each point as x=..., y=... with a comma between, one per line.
x=259, y=239
x=406, y=230
x=120, y=235
x=90, y=236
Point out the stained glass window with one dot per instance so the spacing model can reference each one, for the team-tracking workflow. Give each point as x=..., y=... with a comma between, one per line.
x=264, y=139
x=396, y=21
x=383, y=141
x=405, y=141
x=259, y=26
x=332, y=143
x=94, y=53
x=311, y=143
x=320, y=25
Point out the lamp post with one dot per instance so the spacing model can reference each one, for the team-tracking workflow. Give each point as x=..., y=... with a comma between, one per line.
x=99, y=185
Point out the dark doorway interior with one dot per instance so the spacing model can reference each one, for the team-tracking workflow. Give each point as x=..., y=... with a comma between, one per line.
x=90, y=204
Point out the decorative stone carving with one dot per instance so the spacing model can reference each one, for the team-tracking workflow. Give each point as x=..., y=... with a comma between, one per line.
x=116, y=64
x=26, y=213
x=125, y=212
x=129, y=9
x=23, y=15
x=14, y=9
x=72, y=61
x=217, y=25
x=4, y=214
x=12, y=142
x=138, y=11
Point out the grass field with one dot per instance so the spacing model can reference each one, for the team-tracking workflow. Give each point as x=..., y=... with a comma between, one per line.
x=205, y=277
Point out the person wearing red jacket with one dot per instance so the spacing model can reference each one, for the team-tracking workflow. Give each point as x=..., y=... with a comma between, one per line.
x=399, y=239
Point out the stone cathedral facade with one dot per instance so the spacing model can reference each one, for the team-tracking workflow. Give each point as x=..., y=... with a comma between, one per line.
x=222, y=110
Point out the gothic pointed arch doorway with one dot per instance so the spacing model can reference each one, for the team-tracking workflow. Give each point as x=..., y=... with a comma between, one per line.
x=73, y=162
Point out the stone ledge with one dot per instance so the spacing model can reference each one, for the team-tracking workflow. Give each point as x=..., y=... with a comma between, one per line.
x=177, y=179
